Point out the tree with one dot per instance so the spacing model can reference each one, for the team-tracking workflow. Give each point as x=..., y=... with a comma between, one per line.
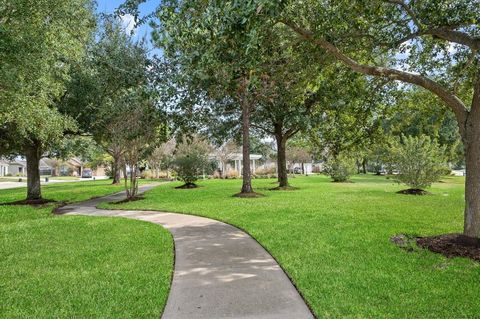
x=114, y=66
x=224, y=154
x=298, y=154
x=417, y=112
x=162, y=157
x=36, y=60
x=221, y=63
x=191, y=160
x=285, y=96
x=140, y=127
x=440, y=42
x=419, y=161
x=340, y=167
x=350, y=113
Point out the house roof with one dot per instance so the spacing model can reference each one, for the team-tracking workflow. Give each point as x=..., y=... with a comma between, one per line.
x=19, y=162
x=75, y=161
x=44, y=164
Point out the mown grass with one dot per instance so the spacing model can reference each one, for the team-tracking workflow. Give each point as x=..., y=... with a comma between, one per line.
x=333, y=241
x=68, y=191
x=80, y=267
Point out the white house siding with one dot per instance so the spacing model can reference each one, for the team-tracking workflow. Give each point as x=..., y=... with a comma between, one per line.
x=16, y=169
x=3, y=169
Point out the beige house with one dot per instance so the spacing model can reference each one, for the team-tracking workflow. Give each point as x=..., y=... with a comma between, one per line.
x=235, y=163
x=17, y=168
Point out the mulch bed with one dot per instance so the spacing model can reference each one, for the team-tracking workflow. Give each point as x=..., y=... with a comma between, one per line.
x=452, y=245
x=31, y=202
x=449, y=245
x=413, y=191
x=187, y=186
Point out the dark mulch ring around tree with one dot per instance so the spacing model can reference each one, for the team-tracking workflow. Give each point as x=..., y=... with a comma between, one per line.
x=249, y=195
x=452, y=245
x=413, y=191
x=31, y=202
x=449, y=245
x=187, y=186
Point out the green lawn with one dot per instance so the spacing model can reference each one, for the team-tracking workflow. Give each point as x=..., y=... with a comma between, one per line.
x=68, y=192
x=333, y=241
x=80, y=267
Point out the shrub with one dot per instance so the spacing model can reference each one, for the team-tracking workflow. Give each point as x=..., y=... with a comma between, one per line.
x=232, y=174
x=265, y=171
x=191, y=160
x=190, y=166
x=419, y=161
x=340, y=168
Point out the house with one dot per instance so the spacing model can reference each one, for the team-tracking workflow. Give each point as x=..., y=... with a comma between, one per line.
x=46, y=167
x=306, y=168
x=69, y=167
x=4, y=165
x=17, y=167
x=234, y=163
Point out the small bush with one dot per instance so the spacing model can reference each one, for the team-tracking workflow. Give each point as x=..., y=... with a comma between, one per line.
x=340, y=168
x=232, y=174
x=265, y=171
x=189, y=167
x=419, y=161
x=191, y=160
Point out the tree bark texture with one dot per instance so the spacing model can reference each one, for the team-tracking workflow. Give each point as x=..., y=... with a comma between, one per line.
x=246, y=173
x=282, y=160
x=33, y=154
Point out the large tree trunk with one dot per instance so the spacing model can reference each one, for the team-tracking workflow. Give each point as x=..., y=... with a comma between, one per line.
x=247, y=176
x=364, y=166
x=116, y=168
x=33, y=154
x=282, y=160
x=472, y=181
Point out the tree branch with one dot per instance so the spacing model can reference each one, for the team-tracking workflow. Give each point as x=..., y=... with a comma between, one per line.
x=455, y=37
x=457, y=106
x=408, y=10
x=291, y=132
x=444, y=33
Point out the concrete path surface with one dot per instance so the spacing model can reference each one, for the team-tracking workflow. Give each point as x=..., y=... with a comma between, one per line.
x=220, y=271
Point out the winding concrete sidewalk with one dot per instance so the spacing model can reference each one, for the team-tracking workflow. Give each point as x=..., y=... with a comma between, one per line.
x=220, y=271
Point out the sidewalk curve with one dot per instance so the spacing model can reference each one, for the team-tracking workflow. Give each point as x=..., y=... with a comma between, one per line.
x=220, y=271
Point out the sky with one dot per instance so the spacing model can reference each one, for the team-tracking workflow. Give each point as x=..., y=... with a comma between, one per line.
x=109, y=6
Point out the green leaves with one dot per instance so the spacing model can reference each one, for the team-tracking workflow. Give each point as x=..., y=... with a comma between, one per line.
x=420, y=161
x=40, y=42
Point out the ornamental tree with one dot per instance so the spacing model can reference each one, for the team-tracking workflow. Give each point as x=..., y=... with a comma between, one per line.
x=192, y=160
x=114, y=67
x=420, y=161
